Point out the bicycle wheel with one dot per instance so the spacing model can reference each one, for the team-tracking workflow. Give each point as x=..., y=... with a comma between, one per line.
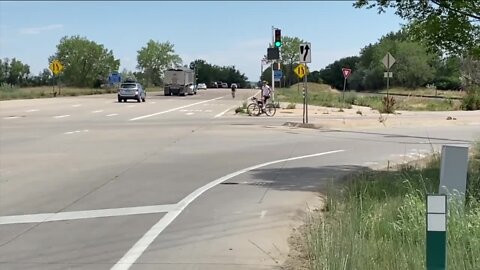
x=253, y=109
x=270, y=109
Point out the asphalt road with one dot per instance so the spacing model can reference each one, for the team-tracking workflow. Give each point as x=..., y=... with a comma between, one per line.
x=173, y=183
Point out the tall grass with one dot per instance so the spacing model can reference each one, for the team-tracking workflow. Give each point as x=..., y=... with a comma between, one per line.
x=11, y=92
x=377, y=221
x=323, y=96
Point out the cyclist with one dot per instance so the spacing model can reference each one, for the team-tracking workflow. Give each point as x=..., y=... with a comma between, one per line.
x=234, y=87
x=266, y=92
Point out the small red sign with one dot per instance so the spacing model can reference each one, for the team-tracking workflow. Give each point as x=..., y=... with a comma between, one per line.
x=346, y=72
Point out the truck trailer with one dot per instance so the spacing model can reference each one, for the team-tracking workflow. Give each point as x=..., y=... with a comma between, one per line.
x=179, y=81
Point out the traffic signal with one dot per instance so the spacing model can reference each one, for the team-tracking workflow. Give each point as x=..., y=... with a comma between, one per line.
x=278, y=38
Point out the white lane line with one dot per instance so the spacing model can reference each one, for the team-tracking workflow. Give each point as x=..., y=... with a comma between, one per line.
x=114, y=212
x=263, y=213
x=369, y=163
x=76, y=131
x=184, y=110
x=174, y=109
x=112, y=114
x=97, y=111
x=77, y=105
x=11, y=117
x=61, y=116
x=32, y=110
x=224, y=112
x=190, y=113
x=141, y=245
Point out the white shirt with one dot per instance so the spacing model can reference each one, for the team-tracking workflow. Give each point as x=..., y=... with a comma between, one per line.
x=266, y=90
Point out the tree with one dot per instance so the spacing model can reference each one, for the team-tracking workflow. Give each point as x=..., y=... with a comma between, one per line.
x=207, y=73
x=450, y=26
x=290, y=56
x=127, y=74
x=332, y=74
x=155, y=58
x=85, y=62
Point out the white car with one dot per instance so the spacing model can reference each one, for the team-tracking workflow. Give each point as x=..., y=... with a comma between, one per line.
x=201, y=86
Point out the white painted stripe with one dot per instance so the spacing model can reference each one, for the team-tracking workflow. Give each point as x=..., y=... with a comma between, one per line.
x=174, y=109
x=62, y=116
x=97, y=111
x=370, y=163
x=112, y=114
x=32, y=110
x=436, y=222
x=141, y=245
x=76, y=131
x=77, y=105
x=114, y=212
x=224, y=112
x=11, y=117
x=190, y=113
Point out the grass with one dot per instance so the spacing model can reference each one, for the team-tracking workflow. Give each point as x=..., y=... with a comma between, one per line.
x=8, y=93
x=425, y=92
x=377, y=221
x=322, y=95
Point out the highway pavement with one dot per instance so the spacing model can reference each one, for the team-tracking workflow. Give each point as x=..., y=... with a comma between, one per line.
x=172, y=183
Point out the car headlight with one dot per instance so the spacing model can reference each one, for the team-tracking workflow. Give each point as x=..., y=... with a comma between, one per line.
x=136, y=92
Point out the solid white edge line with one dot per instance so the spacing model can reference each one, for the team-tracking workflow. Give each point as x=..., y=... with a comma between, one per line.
x=174, y=109
x=115, y=212
x=62, y=116
x=141, y=245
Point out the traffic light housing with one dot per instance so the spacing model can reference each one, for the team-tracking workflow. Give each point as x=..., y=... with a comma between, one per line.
x=278, y=38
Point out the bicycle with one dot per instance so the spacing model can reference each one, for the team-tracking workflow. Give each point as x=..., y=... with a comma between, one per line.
x=256, y=108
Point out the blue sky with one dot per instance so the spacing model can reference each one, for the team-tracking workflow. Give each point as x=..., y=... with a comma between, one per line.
x=221, y=32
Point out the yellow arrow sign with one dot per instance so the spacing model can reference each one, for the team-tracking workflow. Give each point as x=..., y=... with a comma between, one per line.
x=301, y=70
x=56, y=67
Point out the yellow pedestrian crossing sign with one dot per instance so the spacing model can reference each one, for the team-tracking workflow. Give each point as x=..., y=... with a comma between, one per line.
x=56, y=67
x=301, y=70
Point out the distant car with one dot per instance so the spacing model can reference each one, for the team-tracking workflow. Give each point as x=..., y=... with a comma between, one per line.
x=233, y=85
x=224, y=85
x=131, y=90
x=201, y=86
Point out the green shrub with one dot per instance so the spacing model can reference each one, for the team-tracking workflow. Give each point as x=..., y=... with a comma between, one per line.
x=471, y=101
x=388, y=103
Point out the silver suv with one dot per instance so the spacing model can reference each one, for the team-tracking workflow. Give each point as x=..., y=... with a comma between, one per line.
x=131, y=90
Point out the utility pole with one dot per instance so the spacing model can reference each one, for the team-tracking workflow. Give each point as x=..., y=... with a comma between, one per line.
x=273, y=62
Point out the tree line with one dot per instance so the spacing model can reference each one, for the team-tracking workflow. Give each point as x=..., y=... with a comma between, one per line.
x=440, y=46
x=88, y=64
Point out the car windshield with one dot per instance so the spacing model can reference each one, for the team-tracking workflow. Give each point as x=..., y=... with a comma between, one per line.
x=128, y=85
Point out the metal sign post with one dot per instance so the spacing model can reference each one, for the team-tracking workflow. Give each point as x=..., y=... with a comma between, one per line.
x=346, y=73
x=436, y=232
x=306, y=94
x=388, y=62
x=305, y=56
